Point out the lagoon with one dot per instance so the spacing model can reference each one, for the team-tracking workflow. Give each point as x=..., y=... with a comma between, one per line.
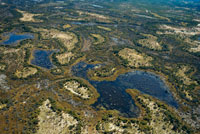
x=113, y=94
x=42, y=59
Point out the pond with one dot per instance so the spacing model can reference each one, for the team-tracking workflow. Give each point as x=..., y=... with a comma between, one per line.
x=113, y=94
x=42, y=58
x=15, y=38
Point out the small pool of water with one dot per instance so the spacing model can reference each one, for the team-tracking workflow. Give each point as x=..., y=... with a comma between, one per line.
x=15, y=38
x=114, y=96
x=42, y=59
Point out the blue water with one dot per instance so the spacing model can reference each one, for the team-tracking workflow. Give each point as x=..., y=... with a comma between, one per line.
x=42, y=59
x=113, y=94
x=14, y=38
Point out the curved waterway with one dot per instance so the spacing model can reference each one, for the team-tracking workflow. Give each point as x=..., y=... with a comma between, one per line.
x=113, y=94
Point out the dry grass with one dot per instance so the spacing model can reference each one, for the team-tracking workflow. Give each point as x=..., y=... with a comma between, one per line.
x=157, y=122
x=185, y=33
x=93, y=15
x=75, y=88
x=25, y=72
x=65, y=58
x=2, y=67
x=3, y=82
x=181, y=74
x=194, y=46
x=66, y=26
x=104, y=28
x=150, y=42
x=52, y=123
x=116, y=126
x=179, y=30
x=157, y=112
x=68, y=39
x=2, y=106
x=195, y=49
x=187, y=95
x=28, y=17
x=160, y=17
x=135, y=59
x=99, y=39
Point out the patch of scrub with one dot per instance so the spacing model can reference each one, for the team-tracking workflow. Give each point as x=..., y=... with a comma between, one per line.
x=102, y=71
x=28, y=17
x=76, y=88
x=116, y=126
x=187, y=95
x=104, y=28
x=99, y=16
x=98, y=38
x=185, y=33
x=150, y=42
x=25, y=72
x=2, y=67
x=179, y=30
x=2, y=106
x=181, y=74
x=159, y=120
x=52, y=123
x=196, y=48
x=65, y=58
x=15, y=38
x=66, y=26
x=192, y=117
x=68, y=39
x=134, y=58
x=193, y=45
x=3, y=82
x=42, y=59
x=113, y=94
x=160, y=17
